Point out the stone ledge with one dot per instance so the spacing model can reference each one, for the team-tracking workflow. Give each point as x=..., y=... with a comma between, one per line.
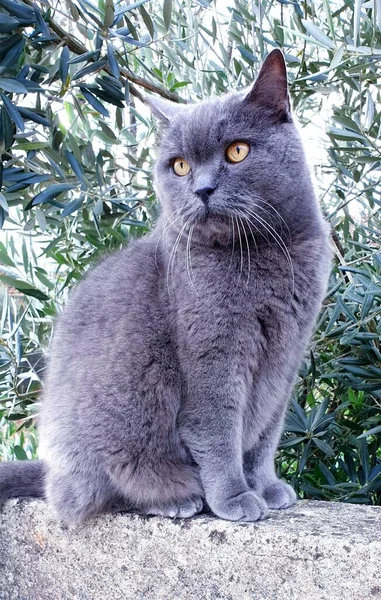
x=313, y=551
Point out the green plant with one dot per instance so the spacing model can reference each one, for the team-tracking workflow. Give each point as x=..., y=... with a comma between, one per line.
x=77, y=148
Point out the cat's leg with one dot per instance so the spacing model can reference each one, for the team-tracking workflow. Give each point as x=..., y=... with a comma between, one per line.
x=76, y=496
x=179, y=510
x=211, y=427
x=145, y=459
x=155, y=485
x=259, y=468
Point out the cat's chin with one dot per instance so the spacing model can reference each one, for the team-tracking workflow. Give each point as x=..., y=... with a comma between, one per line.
x=211, y=228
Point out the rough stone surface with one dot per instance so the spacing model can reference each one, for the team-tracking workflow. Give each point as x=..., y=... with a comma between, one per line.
x=313, y=551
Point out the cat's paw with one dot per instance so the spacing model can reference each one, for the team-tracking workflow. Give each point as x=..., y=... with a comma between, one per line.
x=279, y=495
x=247, y=506
x=181, y=510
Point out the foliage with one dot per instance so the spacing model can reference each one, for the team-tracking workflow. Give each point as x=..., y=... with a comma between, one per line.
x=77, y=149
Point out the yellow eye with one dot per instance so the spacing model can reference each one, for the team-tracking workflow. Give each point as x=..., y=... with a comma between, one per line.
x=237, y=152
x=181, y=167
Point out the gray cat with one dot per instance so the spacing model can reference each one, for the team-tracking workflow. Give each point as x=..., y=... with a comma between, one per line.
x=172, y=365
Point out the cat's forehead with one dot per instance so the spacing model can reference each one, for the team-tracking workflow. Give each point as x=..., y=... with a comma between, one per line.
x=202, y=128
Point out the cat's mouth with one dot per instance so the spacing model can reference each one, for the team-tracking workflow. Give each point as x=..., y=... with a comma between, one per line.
x=208, y=213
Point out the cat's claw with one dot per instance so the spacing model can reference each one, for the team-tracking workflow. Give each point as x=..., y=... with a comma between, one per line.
x=181, y=510
x=279, y=495
x=247, y=506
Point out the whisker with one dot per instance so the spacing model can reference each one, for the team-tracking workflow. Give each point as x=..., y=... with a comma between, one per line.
x=279, y=241
x=189, y=259
x=166, y=228
x=171, y=261
x=277, y=213
x=240, y=245
x=248, y=251
x=233, y=242
x=249, y=224
x=272, y=208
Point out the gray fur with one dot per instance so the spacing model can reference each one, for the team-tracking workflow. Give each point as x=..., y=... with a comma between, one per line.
x=172, y=365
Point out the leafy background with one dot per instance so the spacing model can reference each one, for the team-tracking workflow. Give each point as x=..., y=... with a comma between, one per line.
x=77, y=148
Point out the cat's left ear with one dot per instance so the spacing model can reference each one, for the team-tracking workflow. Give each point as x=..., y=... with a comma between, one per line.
x=164, y=110
x=270, y=89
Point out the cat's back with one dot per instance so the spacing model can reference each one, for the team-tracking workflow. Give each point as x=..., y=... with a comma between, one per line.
x=115, y=280
x=107, y=308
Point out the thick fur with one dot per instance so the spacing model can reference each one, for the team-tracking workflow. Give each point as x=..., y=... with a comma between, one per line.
x=172, y=365
x=22, y=479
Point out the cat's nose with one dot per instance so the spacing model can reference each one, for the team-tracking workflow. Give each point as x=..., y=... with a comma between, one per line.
x=204, y=193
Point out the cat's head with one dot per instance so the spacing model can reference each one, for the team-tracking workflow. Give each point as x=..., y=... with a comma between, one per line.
x=232, y=159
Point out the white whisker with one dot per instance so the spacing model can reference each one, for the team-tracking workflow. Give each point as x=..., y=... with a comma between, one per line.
x=189, y=259
x=240, y=245
x=171, y=261
x=166, y=228
x=249, y=224
x=277, y=238
x=248, y=251
x=272, y=208
x=233, y=240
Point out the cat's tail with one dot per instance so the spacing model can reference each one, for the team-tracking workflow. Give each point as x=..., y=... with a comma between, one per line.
x=22, y=479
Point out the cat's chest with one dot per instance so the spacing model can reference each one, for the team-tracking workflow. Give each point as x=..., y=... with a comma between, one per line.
x=224, y=297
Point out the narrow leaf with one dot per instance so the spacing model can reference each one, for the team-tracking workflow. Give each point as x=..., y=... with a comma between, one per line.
x=64, y=65
x=167, y=13
x=50, y=193
x=317, y=33
x=13, y=85
x=24, y=287
x=94, y=102
x=112, y=63
x=13, y=112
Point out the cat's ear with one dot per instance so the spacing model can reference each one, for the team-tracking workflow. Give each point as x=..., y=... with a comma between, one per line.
x=164, y=110
x=270, y=89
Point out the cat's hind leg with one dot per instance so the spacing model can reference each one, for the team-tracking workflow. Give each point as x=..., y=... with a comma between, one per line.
x=168, y=488
x=180, y=510
x=76, y=496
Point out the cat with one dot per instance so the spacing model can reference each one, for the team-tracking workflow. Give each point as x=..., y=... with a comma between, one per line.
x=172, y=365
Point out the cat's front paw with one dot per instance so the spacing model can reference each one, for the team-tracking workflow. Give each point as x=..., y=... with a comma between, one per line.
x=279, y=495
x=247, y=506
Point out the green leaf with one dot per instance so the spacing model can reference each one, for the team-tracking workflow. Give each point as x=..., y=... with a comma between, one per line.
x=91, y=99
x=323, y=446
x=49, y=194
x=318, y=34
x=64, y=64
x=5, y=259
x=44, y=280
x=24, y=287
x=13, y=112
x=20, y=453
x=3, y=202
x=372, y=431
x=13, y=85
x=167, y=13
x=147, y=21
x=356, y=20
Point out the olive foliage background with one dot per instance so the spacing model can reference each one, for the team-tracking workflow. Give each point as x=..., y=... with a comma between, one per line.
x=77, y=147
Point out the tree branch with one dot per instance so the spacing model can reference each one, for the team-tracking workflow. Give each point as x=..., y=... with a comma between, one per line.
x=78, y=48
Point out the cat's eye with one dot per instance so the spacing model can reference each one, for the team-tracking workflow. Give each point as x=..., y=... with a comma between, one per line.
x=181, y=167
x=237, y=152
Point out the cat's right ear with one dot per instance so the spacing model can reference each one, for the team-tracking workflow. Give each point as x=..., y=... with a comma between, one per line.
x=164, y=110
x=270, y=90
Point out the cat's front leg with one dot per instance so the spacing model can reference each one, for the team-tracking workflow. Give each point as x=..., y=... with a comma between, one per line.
x=211, y=427
x=259, y=468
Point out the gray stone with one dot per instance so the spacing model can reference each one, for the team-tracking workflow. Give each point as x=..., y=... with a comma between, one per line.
x=313, y=551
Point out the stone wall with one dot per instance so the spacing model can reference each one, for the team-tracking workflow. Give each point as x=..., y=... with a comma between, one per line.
x=313, y=551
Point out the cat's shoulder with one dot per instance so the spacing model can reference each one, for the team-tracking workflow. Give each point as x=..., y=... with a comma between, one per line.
x=135, y=254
